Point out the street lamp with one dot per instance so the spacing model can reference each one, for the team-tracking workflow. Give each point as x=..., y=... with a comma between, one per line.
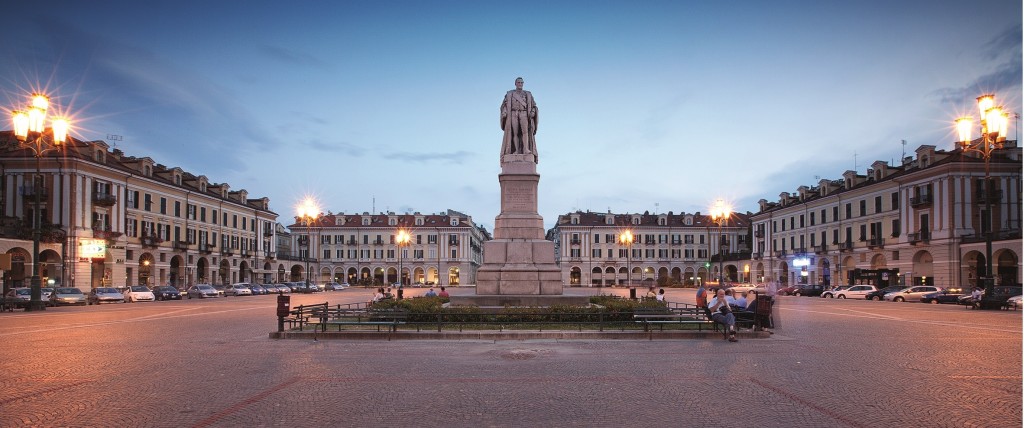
x=994, y=122
x=626, y=239
x=30, y=130
x=307, y=212
x=402, y=239
x=720, y=215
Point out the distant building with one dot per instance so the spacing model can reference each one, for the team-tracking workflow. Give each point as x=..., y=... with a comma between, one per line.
x=444, y=249
x=116, y=220
x=667, y=248
x=920, y=222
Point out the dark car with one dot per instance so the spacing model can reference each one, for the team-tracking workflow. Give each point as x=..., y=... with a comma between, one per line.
x=813, y=290
x=949, y=295
x=787, y=291
x=166, y=292
x=877, y=295
x=257, y=290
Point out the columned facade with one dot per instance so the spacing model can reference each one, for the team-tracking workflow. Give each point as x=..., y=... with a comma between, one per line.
x=667, y=249
x=920, y=222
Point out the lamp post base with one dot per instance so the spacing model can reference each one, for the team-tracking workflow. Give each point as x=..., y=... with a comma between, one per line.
x=36, y=303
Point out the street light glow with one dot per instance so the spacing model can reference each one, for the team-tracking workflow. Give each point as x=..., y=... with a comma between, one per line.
x=963, y=128
x=985, y=102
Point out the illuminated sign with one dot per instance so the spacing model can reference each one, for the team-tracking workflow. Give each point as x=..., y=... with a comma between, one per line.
x=93, y=248
x=803, y=261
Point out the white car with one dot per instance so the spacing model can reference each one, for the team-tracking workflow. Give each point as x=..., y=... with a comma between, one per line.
x=833, y=292
x=743, y=289
x=1014, y=301
x=911, y=294
x=138, y=293
x=240, y=289
x=855, y=292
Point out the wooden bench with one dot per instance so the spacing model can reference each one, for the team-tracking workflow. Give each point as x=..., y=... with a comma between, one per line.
x=660, y=317
x=301, y=314
x=390, y=318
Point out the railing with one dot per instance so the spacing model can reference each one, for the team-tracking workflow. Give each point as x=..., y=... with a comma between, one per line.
x=780, y=254
x=453, y=242
x=876, y=242
x=244, y=253
x=30, y=191
x=756, y=256
x=104, y=199
x=677, y=242
x=982, y=197
x=801, y=250
x=105, y=233
x=575, y=242
x=180, y=245
x=151, y=241
x=996, y=236
x=378, y=242
x=227, y=251
x=351, y=242
x=205, y=248
x=921, y=200
x=759, y=234
x=819, y=249
x=845, y=246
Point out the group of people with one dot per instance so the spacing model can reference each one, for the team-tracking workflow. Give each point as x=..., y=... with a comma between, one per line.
x=659, y=296
x=385, y=294
x=722, y=305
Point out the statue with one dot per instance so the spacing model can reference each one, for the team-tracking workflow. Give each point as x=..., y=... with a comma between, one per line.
x=519, y=121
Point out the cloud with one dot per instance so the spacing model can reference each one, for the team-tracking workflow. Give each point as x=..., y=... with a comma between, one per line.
x=453, y=158
x=341, y=146
x=1007, y=42
x=1007, y=75
x=294, y=57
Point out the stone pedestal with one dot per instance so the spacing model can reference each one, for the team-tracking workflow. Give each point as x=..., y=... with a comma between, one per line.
x=519, y=261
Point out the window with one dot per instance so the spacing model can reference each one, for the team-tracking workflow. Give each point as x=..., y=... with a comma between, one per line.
x=802, y=220
x=863, y=205
x=455, y=252
x=596, y=253
x=148, y=206
x=878, y=204
x=812, y=219
x=895, y=228
x=177, y=208
x=574, y=253
x=214, y=217
x=163, y=205
x=823, y=219
x=895, y=200
x=431, y=239
x=849, y=211
x=597, y=239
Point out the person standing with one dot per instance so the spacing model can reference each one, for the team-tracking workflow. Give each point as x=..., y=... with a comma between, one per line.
x=702, y=296
x=519, y=121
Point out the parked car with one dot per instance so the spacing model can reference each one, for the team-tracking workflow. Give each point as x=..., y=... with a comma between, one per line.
x=743, y=289
x=19, y=297
x=809, y=290
x=166, y=292
x=831, y=292
x=1014, y=302
x=911, y=294
x=239, y=289
x=276, y=288
x=67, y=296
x=856, y=292
x=787, y=291
x=258, y=289
x=138, y=293
x=202, y=291
x=949, y=295
x=878, y=294
x=333, y=286
x=104, y=295
x=221, y=290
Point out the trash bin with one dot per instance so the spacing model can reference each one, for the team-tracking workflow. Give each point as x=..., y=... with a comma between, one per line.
x=632, y=293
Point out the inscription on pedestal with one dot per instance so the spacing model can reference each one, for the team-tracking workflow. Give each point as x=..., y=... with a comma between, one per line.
x=519, y=199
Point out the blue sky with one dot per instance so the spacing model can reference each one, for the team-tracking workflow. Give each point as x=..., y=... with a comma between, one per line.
x=651, y=106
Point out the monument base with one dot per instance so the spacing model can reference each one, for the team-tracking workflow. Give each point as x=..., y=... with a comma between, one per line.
x=525, y=300
x=519, y=267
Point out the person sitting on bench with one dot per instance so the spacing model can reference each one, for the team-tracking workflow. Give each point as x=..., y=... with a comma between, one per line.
x=722, y=314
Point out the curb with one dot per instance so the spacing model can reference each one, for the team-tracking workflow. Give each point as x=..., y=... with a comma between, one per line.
x=512, y=335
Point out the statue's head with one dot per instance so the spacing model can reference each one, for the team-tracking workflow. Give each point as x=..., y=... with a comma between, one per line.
x=519, y=83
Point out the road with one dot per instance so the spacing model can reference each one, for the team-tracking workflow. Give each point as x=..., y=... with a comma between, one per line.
x=198, y=363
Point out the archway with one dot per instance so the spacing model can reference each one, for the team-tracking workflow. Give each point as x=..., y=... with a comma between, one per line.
x=922, y=273
x=783, y=273
x=878, y=262
x=392, y=275
x=224, y=274
x=972, y=268
x=146, y=262
x=731, y=273
x=50, y=268
x=846, y=268
x=677, y=275
x=596, y=277
x=177, y=273
x=432, y=278
x=378, y=276
x=365, y=276
x=352, y=276
x=622, y=276
x=297, y=273
x=575, y=276
x=17, y=275
x=202, y=271
x=453, y=275
x=610, y=277
x=244, y=274
x=663, y=278
x=1005, y=267
x=759, y=271
x=702, y=276
x=689, y=277
x=281, y=272
x=267, y=268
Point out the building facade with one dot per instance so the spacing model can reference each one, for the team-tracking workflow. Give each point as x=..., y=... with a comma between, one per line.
x=920, y=222
x=666, y=249
x=114, y=220
x=444, y=249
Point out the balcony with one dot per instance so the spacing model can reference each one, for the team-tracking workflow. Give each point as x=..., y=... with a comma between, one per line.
x=759, y=234
x=105, y=233
x=819, y=249
x=351, y=242
x=801, y=250
x=846, y=246
x=244, y=253
x=677, y=242
x=180, y=245
x=1002, y=235
x=151, y=241
x=995, y=197
x=916, y=237
x=104, y=199
x=756, y=256
x=876, y=242
x=30, y=191
x=268, y=233
x=921, y=201
x=453, y=242
x=205, y=248
x=780, y=254
x=572, y=242
x=378, y=242
x=227, y=251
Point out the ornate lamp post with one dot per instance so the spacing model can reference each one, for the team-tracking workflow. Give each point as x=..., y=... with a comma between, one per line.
x=994, y=123
x=307, y=212
x=720, y=215
x=626, y=240
x=30, y=130
x=402, y=239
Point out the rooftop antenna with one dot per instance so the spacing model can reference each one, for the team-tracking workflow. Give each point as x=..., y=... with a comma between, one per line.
x=904, y=155
x=656, y=205
x=854, y=161
x=114, y=139
x=373, y=206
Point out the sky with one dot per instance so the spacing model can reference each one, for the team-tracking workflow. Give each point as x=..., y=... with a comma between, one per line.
x=393, y=106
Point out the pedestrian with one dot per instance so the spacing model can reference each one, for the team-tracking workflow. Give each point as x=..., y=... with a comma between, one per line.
x=702, y=296
x=443, y=293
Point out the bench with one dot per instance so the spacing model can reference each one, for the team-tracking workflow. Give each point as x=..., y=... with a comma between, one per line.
x=660, y=317
x=301, y=314
x=390, y=318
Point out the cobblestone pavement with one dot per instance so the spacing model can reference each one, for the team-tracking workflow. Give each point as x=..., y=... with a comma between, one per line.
x=200, y=363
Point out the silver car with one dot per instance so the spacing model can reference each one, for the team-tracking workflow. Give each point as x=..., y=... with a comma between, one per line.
x=67, y=296
x=911, y=294
x=202, y=291
x=104, y=295
x=240, y=289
